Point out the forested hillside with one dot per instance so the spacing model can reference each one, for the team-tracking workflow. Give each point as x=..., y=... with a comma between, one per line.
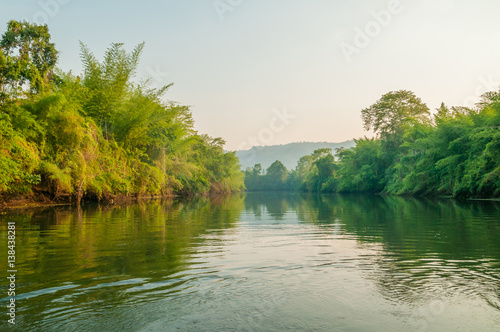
x=455, y=152
x=97, y=134
x=288, y=154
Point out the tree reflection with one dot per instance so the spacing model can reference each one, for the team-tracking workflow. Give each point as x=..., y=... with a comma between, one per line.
x=422, y=249
x=93, y=256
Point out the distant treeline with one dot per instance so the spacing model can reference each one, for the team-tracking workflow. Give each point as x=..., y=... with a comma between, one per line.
x=98, y=134
x=289, y=154
x=455, y=152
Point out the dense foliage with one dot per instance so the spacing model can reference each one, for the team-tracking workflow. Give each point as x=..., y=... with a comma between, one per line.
x=455, y=152
x=99, y=134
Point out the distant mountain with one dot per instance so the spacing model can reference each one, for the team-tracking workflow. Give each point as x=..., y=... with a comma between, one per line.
x=288, y=154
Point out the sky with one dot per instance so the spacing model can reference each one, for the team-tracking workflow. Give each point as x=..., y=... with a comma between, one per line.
x=261, y=72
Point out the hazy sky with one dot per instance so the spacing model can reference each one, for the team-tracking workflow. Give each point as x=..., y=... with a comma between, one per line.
x=262, y=72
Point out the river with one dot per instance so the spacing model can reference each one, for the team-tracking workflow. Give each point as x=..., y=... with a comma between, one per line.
x=257, y=262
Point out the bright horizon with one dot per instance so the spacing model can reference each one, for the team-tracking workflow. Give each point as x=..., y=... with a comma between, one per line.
x=260, y=73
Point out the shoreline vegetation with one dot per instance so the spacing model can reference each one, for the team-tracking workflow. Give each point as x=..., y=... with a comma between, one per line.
x=97, y=136
x=453, y=153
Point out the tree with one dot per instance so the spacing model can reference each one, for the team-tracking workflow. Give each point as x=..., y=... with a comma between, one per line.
x=276, y=175
x=362, y=168
x=26, y=57
x=320, y=169
x=253, y=178
x=393, y=111
x=50, y=135
x=443, y=113
x=326, y=168
x=108, y=82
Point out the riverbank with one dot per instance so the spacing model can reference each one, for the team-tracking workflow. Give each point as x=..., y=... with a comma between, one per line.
x=34, y=201
x=97, y=135
x=40, y=200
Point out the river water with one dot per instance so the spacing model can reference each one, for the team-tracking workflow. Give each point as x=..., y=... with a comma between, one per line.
x=257, y=262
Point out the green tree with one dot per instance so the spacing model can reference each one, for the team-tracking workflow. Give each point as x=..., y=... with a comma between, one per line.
x=362, y=168
x=26, y=57
x=321, y=167
x=108, y=83
x=100, y=135
x=253, y=178
x=276, y=176
x=394, y=111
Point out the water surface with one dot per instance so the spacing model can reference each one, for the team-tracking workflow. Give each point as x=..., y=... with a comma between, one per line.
x=259, y=262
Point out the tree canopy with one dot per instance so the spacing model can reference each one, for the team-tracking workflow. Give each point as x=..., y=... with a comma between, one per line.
x=27, y=57
x=97, y=135
x=393, y=112
x=455, y=152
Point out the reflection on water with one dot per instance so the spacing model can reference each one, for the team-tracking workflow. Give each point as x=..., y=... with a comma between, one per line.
x=259, y=262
